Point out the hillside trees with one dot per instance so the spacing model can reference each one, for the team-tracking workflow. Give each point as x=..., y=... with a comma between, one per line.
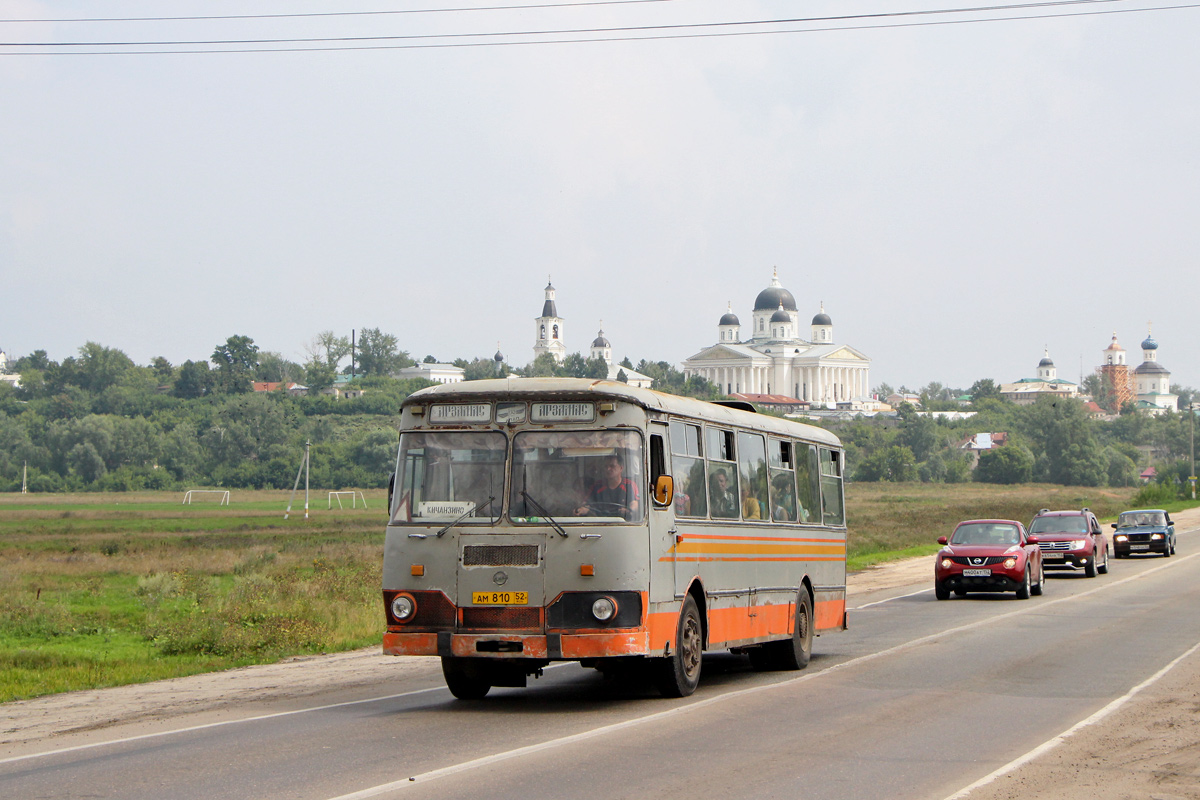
x=236, y=361
x=378, y=353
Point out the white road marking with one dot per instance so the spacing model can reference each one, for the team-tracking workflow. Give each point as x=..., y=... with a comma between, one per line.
x=1047, y=746
x=890, y=599
x=403, y=783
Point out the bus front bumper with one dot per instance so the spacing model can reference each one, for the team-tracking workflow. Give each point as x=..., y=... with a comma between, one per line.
x=551, y=646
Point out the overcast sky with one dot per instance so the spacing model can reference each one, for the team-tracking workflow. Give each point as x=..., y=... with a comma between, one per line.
x=959, y=196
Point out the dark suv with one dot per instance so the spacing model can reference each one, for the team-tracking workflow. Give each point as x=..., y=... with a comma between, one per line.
x=1071, y=540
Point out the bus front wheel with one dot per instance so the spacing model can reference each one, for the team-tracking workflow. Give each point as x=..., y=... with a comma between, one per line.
x=465, y=678
x=678, y=674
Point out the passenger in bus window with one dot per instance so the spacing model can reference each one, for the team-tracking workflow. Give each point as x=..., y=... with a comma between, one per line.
x=785, y=498
x=614, y=495
x=724, y=503
x=750, y=507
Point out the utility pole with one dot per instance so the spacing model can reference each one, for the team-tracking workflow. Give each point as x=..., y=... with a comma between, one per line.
x=302, y=471
x=1192, y=477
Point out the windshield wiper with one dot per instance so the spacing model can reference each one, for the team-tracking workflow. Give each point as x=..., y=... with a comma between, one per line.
x=466, y=514
x=541, y=510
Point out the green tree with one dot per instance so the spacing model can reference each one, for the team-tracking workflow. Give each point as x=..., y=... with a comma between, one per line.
x=983, y=389
x=101, y=367
x=895, y=464
x=327, y=348
x=377, y=353
x=1011, y=463
x=236, y=362
x=163, y=371
x=195, y=380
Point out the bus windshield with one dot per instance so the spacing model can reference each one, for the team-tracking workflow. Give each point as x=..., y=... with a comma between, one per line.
x=450, y=476
x=577, y=476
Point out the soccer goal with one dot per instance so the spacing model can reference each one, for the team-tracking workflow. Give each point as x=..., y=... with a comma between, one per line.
x=354, y=498
x=187, y=496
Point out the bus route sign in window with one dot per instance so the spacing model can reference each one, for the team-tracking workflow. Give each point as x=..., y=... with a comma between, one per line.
x=449, y=414
x=563, y=412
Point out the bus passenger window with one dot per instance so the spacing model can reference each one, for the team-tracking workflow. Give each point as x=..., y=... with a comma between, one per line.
x=783, y=481
x=831, y=487
x=691, y=494
x=808, y=487
x=752, y=469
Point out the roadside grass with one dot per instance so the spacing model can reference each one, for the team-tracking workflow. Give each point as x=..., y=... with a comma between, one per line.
x=101, y=590
x=108, y=589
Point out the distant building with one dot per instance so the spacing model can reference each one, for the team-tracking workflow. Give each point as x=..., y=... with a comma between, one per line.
x=897, y=399
x=602, y=349
x=1047, y=383
x=438, y=373
x=1153, y=382
x=978, y=443
x=550, y=329
x=1115, y=373
x=773, y=402
x=293, y=389
x=777, y=360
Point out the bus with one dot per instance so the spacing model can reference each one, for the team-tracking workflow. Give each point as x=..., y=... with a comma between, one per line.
x=534, y=520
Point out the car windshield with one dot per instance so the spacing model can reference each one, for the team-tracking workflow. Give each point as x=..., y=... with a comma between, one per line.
x=449, y=476
x=573, y=476
x=985, y=533
x=1064, y=524
x=1135, y=519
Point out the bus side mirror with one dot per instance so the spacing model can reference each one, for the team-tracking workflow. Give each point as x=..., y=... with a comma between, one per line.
x=391, y=490
x=664, y=490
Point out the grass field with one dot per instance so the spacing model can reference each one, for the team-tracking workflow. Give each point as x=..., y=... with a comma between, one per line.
x=106, y=589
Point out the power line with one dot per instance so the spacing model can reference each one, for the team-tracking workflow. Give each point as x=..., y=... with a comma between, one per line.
x=535, y=6
x=627, y=29
x=598, y=39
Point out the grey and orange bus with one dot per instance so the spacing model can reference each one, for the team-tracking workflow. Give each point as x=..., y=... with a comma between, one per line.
x=535, y=520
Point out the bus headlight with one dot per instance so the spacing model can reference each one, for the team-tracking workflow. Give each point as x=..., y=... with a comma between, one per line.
x=604, y=609
x=404, y=607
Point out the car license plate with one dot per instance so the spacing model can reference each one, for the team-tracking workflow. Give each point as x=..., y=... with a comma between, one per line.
x=977, y=573
x=1058, y=556
x=1139, y=547
x=500, y=598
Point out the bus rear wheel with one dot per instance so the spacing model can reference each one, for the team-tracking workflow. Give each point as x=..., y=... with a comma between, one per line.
x=465, y=678
x=678, y=674
x=793, y=653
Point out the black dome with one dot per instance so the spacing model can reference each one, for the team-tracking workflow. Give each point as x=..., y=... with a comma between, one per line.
x=822, y=319
x=600, y=341
x=772, y=296
x=781, y=316
x=730, y=319
x=1046, y=362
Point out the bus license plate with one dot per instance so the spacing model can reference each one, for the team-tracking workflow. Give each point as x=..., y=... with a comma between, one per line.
x=500, y=598
x=977, y=573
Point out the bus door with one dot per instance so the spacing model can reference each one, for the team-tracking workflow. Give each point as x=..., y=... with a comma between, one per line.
x=662, y=516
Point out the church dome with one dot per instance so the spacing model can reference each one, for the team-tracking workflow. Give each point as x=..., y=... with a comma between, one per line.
x=822, y=319
x=729, y=319
x=1046, y=362
x=772, y=296
x=600, y=341
x=498, y=357
x=1149, y=343
x=781, y=316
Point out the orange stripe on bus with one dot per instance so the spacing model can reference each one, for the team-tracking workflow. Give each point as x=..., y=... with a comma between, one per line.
x=691, y=559
x=734, y=547
x=753, y=538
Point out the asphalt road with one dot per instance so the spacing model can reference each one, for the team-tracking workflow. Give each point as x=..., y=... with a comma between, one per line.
x=918, y=699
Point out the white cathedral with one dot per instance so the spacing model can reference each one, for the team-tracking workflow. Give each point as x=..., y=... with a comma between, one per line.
x=776, y=360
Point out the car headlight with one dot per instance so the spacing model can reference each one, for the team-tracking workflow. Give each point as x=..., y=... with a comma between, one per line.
x=403, y=607
x=1156, y=536
x=604, y=609
x=1120, y=537
x=1010, y=563
x=1078, y=544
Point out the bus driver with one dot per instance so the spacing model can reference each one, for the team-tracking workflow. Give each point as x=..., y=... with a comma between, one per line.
x=615, y=495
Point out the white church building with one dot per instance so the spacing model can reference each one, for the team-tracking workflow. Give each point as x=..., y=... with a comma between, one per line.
x=1153, y=381
x=776, y=360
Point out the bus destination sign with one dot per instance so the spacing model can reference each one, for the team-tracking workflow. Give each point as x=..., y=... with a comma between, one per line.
x=446, y=414
x=563, y=412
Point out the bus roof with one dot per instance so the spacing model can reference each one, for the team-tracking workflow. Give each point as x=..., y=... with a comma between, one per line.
x=588, y=389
